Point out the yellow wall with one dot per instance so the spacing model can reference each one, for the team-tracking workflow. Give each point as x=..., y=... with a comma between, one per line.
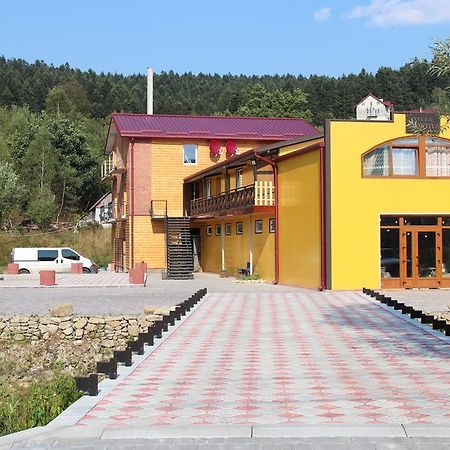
x=299, y=217
x=356, y=202
x=237, y=247
x=149, y=241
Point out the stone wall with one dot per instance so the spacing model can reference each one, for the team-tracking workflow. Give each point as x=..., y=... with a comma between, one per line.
x=109, y=331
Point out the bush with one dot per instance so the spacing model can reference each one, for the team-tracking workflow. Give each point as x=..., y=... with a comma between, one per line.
x=23, y=407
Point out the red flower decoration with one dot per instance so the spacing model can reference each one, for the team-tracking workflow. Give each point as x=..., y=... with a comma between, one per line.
x=231, y=148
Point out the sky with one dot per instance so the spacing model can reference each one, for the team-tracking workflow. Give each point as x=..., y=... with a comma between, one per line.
x=251, y=37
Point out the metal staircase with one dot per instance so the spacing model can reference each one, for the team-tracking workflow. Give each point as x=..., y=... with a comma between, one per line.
x=180, y=263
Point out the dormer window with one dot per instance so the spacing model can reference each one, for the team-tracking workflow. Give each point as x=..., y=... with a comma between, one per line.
x=409, y=157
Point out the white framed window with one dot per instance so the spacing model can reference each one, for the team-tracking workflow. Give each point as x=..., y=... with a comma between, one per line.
x=238, y=178
x=189, y=154
x=208, y=187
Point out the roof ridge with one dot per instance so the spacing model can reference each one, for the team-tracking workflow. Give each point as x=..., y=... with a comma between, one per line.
x=209, y=117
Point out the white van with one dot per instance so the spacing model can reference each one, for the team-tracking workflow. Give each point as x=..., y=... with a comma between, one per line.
x=33, y=259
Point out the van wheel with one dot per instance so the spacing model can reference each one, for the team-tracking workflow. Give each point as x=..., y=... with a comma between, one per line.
x=22, y=271
x=86, y=270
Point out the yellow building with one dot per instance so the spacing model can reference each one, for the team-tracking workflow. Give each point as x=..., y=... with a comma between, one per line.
x=364, y=207
x=388, y=217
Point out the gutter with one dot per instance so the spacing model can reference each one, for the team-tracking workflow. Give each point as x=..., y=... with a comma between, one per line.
x=277, y=237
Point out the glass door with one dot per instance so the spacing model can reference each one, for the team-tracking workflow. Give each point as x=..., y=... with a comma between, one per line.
x=421, y=257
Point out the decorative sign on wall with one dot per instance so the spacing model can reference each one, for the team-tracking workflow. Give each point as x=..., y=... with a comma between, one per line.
x=231, y=147
x=422, y=123
x=215, y=149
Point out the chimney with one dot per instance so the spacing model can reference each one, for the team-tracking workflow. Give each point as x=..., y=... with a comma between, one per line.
x=149, y=90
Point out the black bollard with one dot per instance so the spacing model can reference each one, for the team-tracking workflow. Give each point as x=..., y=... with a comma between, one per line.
x=108, y=367
x=124, y=356
x=89, y=384
x=136, y=346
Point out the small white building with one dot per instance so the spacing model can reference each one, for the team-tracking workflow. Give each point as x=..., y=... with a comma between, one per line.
x=101, y=211
x=374, y=108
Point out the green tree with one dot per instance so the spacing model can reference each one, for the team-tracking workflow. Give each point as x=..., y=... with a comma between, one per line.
x=10, y=191
x=42, y=208
x=58, y=102
x=264, y=103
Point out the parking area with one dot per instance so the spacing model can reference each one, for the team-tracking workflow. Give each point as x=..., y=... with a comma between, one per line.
x=121, y=298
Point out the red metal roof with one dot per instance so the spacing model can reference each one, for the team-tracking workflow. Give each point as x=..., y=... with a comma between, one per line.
x=207, y=127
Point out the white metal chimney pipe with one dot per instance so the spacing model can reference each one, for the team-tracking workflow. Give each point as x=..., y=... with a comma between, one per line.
x=149, y=90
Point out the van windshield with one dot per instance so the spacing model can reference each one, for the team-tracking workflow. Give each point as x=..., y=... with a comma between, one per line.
x=70, y=254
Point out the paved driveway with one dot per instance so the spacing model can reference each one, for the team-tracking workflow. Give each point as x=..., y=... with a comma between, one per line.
x=328, y=360
x=286, y=358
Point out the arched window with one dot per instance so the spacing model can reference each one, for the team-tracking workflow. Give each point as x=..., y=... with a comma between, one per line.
x=409, y=157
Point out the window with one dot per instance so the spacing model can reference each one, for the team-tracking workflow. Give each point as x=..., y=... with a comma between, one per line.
x=228, y=229
x=404, y=161
x=238, y=178
x=218, y=230
x=272, y=225
x=377, y=162
x=208, y=188
x=239, y=228
x=411, y=156
x=189, y=154
x=208, y=230
x=70, y=254
x=437, y=157
x=47, y=255
x=258, y=226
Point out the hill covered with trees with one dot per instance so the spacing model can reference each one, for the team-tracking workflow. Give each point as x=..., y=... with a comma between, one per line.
x=53, y=120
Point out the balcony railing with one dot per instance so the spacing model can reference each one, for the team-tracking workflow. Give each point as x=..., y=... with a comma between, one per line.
x=259, y=194
x=112, y=165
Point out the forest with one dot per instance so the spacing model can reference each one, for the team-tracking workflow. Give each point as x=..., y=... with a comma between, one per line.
x=53, y=120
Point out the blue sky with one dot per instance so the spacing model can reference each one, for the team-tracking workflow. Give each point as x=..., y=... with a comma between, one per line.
x=328, y=37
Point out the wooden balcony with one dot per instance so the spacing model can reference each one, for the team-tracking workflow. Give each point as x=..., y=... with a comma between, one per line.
x=237, y=201
x=111, y=166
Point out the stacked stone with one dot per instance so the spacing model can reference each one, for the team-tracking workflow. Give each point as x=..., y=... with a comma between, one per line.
x=110, y=331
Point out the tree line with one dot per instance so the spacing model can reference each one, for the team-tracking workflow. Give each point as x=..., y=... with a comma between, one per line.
x=53, y=120
x=98, y=94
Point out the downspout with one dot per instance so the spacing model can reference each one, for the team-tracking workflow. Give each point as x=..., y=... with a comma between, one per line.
x=131, y=208
x=277, y=238
x=323, y=276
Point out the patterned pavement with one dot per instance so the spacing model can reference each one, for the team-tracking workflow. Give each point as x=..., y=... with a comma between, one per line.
x=285, y=358
x=100, y=279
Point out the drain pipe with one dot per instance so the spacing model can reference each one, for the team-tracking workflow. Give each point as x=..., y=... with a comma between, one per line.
x=131, y=200
x=323, y=273
x=277, y=239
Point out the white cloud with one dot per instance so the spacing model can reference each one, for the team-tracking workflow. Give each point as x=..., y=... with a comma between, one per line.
x=403, y=12
x=322, y=14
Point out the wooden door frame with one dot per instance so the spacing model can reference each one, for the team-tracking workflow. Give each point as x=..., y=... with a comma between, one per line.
x=415, y=281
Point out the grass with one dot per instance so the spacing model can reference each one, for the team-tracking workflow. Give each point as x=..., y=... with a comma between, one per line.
x=35, y=404
x=36, y=379
x=92, y=242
